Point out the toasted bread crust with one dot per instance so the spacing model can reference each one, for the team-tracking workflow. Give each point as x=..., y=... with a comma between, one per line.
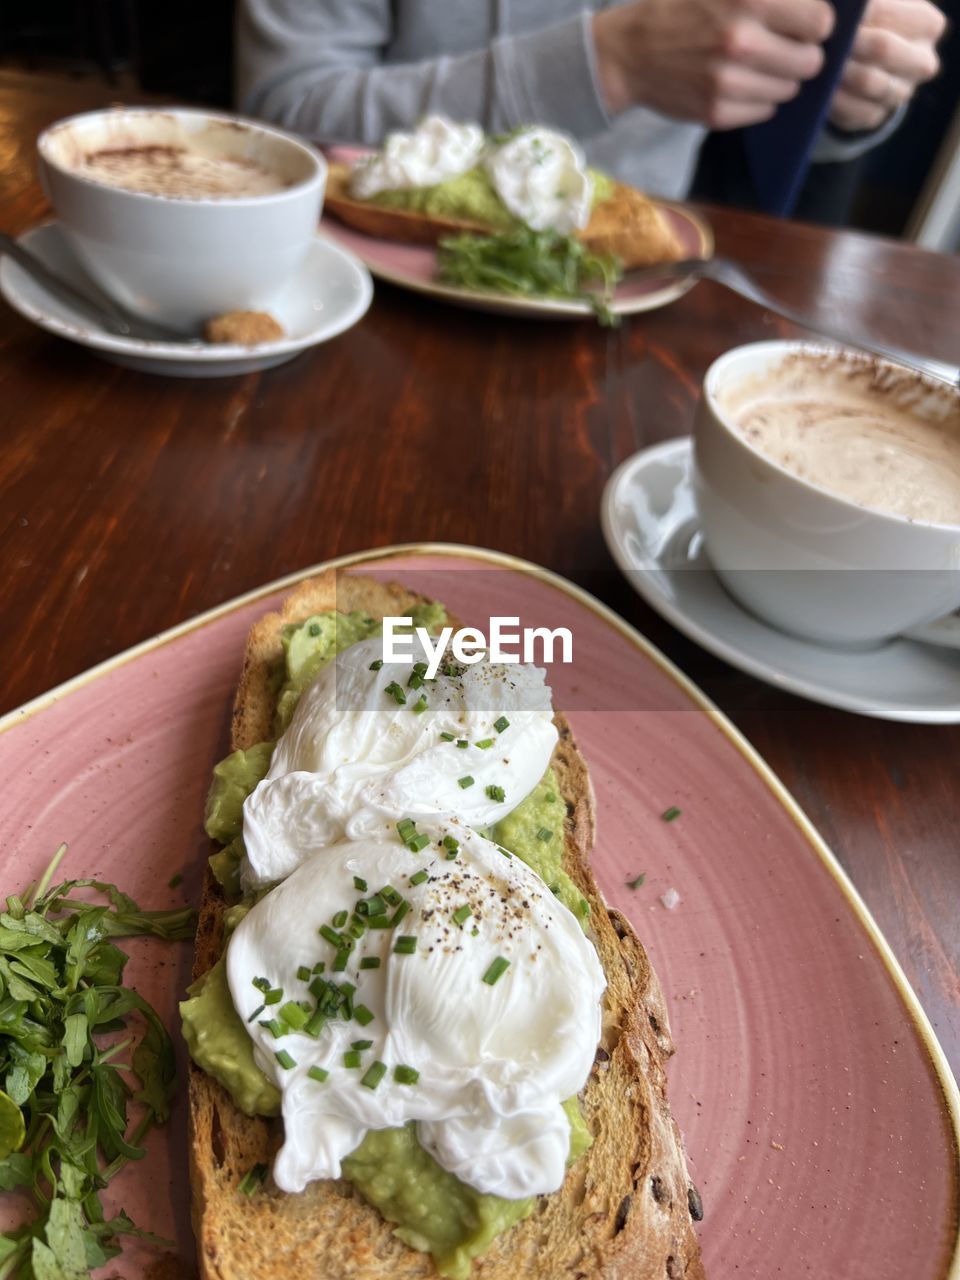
x=624, y=1210
x=629, y=225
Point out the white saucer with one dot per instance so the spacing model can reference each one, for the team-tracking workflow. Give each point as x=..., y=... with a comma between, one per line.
x=330, y=292
x=650, y=525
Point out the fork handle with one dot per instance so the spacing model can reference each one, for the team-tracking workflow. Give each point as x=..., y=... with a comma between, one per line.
x=940, y=370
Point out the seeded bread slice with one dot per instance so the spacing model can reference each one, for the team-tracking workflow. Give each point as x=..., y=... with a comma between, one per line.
x=625, y=1209
x=628, y=225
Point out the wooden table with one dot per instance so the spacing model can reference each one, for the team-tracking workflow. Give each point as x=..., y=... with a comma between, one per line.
x=129, y=502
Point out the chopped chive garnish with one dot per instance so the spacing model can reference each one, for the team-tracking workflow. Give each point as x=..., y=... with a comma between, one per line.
x=329, y=935
x=373, y=1075
x=275, y=1027
x=318, y=986
x=318, y=1073
x=340, y=919
x=637, y=881
x=406, y=829
x=390, y=894
x=405, y=945
x=292, y=1014
x=462, y=913
x=450, y=844
x=544, y=834
x=450, y=854
x=506, y=852
x=447, y=737
x=359, y=884
x=303, y=973
x=319, y=967
x=340, y=960
x=262, y=984
x=501, y=724
x=465, y=782
x=462, y=743
x=313, y=629
x=420, y=706
x=351, y=1059
x=670, y=814
x=496, y=793
x=376, y=664
x=395, y=692
x=175, y=880
x=496, y=971
x=273, y=996
x=361, y=1044
x=415, y=681
x=418, y=877
x=406, y=1075
x=316, y=1024
x=555, y=889
x=256, y=1013
x=356, y=928
x=370, y=962
x=362, y=1015
x=474, y=931
x=376, y=904
x=418, y=842
x=252, y=1180
x=381, y=921
x=398, y=915
x=285, y=1060
x=485, y=743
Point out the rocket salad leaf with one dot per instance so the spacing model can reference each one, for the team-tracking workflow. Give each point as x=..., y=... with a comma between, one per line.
x=77, y=1049
x=531, y=264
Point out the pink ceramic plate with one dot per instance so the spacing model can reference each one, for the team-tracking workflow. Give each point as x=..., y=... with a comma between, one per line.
x=820, y=1116
x=414, y=267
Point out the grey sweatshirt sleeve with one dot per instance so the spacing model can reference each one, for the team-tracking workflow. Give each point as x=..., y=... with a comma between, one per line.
x=316, y=66
x=832, y=145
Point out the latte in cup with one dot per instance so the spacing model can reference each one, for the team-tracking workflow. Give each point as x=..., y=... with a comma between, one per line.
x=865, y=432
x=178, y=172
x=827, y=485
x=182, y=214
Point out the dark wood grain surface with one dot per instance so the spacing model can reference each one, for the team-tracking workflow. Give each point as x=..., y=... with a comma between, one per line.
x=129, y=503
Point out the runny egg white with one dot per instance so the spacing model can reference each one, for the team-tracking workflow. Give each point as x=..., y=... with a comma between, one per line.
x=355, y=758
x=495, y=1058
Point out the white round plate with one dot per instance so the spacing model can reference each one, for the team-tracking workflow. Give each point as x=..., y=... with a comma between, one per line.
x=329, y=294
x=650, y=525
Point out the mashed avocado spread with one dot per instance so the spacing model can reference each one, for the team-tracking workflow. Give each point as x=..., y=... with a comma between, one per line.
x=471, y=197
x=432, y=1210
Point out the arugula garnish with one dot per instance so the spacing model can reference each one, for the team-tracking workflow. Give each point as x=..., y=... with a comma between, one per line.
x=531, y=264
x=71, y=1037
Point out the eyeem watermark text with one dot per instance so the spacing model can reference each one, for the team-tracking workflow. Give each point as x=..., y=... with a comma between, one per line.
x=506, y=642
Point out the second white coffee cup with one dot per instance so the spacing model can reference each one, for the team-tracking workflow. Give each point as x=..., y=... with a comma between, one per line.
x=808, y=560
x=171, y=257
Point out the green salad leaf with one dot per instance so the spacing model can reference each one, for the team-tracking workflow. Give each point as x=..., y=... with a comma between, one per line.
x=78, y=1051
x=531, y=264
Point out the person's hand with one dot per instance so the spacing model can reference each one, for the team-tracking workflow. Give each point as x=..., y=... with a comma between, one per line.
x=724, y=63
x=894, y=51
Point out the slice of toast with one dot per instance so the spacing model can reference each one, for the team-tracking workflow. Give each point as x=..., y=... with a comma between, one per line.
x=626, y=1207
x=628, y=225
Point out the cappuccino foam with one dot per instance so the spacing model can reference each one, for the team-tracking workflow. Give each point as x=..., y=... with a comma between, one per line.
x=164, y=170
x=861, y=433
